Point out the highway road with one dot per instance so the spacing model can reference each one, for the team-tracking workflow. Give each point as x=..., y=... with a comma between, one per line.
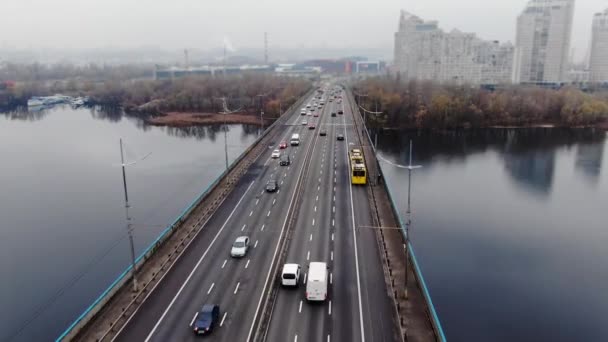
x=326, y=230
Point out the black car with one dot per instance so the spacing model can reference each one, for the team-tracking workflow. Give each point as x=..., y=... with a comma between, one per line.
x=323, y=133
x=340, y=111
x=285, y=161
x=206, y=319
x=333, y=114
x=340, y=137
x=272, y=186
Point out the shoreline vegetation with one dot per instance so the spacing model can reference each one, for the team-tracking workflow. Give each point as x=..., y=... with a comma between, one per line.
x=427, y=105
x=193, y=100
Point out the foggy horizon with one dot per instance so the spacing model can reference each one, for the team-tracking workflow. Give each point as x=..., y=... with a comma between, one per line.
x=72, y=25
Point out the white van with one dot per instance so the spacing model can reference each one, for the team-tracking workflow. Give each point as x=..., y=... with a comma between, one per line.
x=295, y=139
x=316, y=285
x=290, y=275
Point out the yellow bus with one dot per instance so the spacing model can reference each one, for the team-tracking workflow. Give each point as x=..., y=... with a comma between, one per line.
x=357, y=167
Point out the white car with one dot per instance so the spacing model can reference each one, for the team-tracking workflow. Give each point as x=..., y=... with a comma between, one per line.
x=304, y=122
x=290, y=275
x=275, y=154
x=240, y=247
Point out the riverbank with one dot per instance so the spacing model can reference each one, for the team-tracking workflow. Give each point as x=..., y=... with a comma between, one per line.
x=179, y=119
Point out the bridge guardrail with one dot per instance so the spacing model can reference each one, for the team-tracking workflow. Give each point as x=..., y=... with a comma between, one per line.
x=85, y=317
x=427, y=296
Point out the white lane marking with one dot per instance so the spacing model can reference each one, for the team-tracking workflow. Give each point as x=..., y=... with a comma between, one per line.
x=308, y=255
x=275, y=200
x=334, y=189
x=268, y=213
x=332, y=236
x=288, y=168
x=300, y=309
x=257, y=310
x=334, y=198
x=295, y=339
x=285, y=175
x=162, y=317
x=305, y=274
x=224, y=264
x=352, y=212
x=247, y=264
x=315, y=208
x=242, y=229
x=310, y=238
x=333, y=209
x=258, y=201
x=256, y=244
x=335, y=172
x=317, y=198
x=313, y=222
x=331, y=278
x=211, y=288
x=223, y=318
x=332, y=255
x=251, y=213
x=193, y=318
x=278, y=191
x=329, y=308
x=333, y=223
x=264, y=225
x=237, y=287
x=319, y=179
x=328, y=339
x=281, y=184
x=261, y=193
x=318, y=188
x=335, y=180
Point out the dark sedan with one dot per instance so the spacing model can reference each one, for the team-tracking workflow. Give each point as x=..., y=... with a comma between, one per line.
x=272, y=186
x=206, y=319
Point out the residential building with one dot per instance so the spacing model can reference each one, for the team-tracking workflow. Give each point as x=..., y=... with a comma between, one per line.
x=424, y=51
x=598, y=60
x=543, y=41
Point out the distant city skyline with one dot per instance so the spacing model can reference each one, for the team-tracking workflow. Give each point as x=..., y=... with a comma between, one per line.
x=73, y=24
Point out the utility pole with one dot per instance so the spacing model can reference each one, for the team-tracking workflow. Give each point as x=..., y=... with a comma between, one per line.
x=408, y=215
x=129, y=225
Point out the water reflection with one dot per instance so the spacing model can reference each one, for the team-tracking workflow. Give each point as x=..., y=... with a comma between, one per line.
x=589, y=161
x=503, y=264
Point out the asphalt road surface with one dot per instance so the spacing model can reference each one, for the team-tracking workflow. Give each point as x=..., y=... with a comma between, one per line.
x=327, y=229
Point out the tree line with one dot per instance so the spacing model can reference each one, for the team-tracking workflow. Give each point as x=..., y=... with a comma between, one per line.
x=426, y=104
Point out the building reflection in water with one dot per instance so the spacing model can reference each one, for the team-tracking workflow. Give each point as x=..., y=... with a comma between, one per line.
x=589, y=161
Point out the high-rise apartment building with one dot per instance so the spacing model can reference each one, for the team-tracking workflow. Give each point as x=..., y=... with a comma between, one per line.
x=424, y=51
x=543, y=41
x=598, y=59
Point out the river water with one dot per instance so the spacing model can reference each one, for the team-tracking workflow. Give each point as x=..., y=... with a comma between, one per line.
x=63, y=236
x=509, y=226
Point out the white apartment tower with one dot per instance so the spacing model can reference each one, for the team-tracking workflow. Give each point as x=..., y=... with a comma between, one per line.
x=598, y=60
x=424, y=51
x=542, y=42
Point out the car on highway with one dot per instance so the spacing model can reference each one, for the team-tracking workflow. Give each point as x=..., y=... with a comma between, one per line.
x=333, y=113
x=340, y=111
x=316, y=115
x=290, y=275
x=272, y=186
x=240, y=247
x=304, y=122
x=285, y=160
x=340, y=137
x=206, y=319
x=311, y=126
x=283, y=145
x=275, y=154
x=316, y=287
x=323, y=133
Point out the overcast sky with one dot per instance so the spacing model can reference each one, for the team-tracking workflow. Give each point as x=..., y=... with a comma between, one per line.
x=176, y=24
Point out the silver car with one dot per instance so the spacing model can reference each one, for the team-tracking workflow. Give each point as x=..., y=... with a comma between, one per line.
x=240, y=247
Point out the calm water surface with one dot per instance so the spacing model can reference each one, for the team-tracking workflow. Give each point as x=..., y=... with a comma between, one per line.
x=62, y=230
x=510, y=230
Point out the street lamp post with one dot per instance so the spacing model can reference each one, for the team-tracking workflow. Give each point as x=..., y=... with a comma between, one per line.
x=410, y=168
x=127, y=206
